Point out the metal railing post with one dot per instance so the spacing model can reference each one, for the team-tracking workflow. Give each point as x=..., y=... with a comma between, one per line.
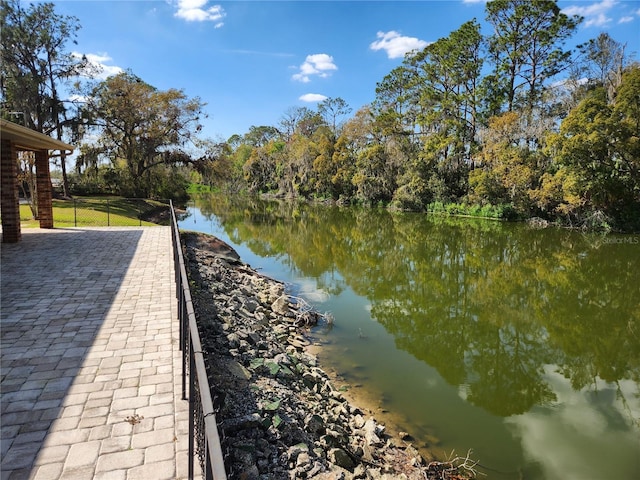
x=192, y=417
x=185, y=346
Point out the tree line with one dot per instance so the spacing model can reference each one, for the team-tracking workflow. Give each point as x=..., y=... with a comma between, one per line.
x=510, y=120
x=509, y=124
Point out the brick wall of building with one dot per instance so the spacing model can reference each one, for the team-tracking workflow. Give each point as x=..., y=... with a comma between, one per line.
x=43, y=186
x=9, y=199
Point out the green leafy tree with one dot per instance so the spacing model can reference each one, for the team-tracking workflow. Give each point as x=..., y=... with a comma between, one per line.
x=448, y=78
x=374, y=178
x=258, y=136
x=36, y=66
x=598, y=142
x=263, y=169
x=557, y=195
x=297, y=175
x=323, y=166
x=509, y=167
x=366, y=157
x=527, y=48
x=603, y=61
x=332, y=110
x=396, y=105
x=141, y=126
x=238, y=157
x=300, y=120
x=216, y=165
x=342, y=168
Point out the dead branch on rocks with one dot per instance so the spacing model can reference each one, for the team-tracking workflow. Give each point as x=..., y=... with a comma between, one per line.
x=458, y=468
x=305, y=314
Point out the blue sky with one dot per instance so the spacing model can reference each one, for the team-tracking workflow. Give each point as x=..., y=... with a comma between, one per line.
x=250, y=61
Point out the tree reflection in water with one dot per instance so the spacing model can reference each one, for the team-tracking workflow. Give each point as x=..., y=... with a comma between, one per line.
x=497, y=309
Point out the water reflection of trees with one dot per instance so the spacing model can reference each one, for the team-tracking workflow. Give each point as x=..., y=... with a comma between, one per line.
x=487, y=304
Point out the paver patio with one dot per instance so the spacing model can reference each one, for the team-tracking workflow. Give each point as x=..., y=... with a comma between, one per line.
x=90, y=366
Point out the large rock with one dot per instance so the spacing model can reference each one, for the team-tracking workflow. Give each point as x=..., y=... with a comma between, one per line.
x=281, y=305
x=371, y=431
x=339, y=457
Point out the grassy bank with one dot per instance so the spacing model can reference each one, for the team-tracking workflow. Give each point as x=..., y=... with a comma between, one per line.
x=96, y=211
x=496, y=212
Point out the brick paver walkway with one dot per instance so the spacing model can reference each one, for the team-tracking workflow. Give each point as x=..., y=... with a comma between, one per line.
x=90, y=367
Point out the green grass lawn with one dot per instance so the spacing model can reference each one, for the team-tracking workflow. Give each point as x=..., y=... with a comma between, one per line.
x=85, y=212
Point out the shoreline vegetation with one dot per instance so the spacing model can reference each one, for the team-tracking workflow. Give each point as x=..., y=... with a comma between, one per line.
x=597, y=222
x=280, y=414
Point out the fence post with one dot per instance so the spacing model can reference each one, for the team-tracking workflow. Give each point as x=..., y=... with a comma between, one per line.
x=192, y=413
x=108, y=214
x=75, y=214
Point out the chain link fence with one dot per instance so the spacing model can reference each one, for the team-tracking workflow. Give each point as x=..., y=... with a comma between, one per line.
x=110, y=212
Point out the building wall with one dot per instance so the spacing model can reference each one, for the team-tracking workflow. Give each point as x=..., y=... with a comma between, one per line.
x=43, y=185
x=9, y=201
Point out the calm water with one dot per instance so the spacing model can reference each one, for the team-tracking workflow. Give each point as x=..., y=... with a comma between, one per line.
x=522, y=345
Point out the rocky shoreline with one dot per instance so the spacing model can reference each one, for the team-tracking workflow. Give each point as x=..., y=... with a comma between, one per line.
x=278, y=412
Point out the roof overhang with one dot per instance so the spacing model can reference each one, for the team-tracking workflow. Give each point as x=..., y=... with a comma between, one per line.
x=26, y=139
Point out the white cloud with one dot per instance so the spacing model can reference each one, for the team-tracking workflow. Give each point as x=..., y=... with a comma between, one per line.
x=197, y=11
x=595, y=15
x=97, y=67
x=258, y=52
x=312, y=97
x=557, y=438
x=569, y=84
x=625, y=20
x=319, y=64
x=310, y=291
x=599, y=20
x=78, y=98
x=397, y=45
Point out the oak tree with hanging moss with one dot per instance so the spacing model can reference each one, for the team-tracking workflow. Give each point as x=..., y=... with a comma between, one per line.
x=140, y=128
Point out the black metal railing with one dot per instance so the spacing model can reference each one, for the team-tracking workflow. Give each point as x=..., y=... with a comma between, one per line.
x=204, y=440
